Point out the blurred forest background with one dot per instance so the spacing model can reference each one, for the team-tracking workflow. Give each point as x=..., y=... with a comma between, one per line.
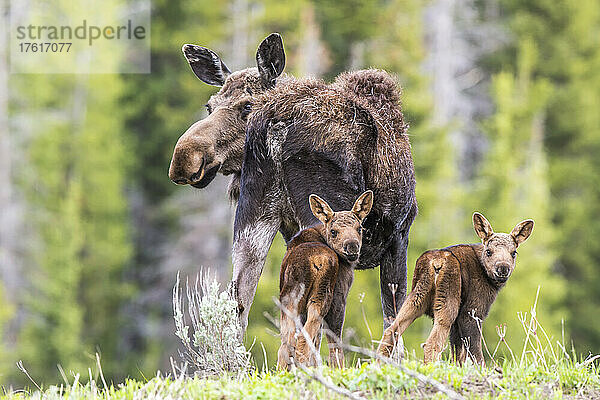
x=503, y=100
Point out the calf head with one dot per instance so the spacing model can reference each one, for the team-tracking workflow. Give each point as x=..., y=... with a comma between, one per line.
x=343, y=230
x=500, y=249
x=216, y=143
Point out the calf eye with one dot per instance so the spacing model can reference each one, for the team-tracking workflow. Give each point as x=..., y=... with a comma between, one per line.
x=333, y=233
x=208, y=108
x=488, y=253
x=360, y=230
x=514, y=254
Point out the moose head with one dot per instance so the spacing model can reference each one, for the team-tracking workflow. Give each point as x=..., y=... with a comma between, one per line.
x=343, y=229
x=500, y=249
x=216, y=143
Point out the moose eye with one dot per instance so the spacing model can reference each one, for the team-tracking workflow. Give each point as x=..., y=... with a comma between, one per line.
x=246, y=109
x=488, y=253
x=360, y=230
x=208, y=108
x=514, y=254
x=333, y=233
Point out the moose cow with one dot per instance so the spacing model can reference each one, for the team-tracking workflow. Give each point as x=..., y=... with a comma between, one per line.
x=281, y=139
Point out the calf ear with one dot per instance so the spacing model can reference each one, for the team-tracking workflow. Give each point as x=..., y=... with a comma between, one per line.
x=522, y=231
x=320, y=208
x=482, y=227
x=362, y=205
x=206, y=64
x=270, y=59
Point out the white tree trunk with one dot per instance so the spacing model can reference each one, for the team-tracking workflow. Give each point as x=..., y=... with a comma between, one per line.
x=312, y=56
x=460, y=33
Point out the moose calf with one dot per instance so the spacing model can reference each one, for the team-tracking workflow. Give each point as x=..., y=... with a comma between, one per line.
x=456, y=285
x=316, y=275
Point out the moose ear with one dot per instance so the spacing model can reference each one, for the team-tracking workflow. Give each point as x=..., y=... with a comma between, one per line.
x=362, y=205
x=320, y=208
x=270, y=59
x=522, y=231
x=206, y=64
x=482, y=227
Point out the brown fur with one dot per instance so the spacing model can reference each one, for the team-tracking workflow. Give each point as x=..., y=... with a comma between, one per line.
x=453, y=284
x=343, y=115
x=317, y=260
x=277, y=136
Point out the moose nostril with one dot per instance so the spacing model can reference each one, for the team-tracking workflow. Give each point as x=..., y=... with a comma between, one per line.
x=502, y=270
x=351, y=248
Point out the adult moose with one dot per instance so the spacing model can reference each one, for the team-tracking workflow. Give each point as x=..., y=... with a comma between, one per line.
x=281, y=139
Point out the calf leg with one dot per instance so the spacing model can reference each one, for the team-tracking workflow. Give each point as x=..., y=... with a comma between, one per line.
x=435, y=342
x=458, y=350
x=287, y=330
x=334, y=322
x=334, y=319
x=445, y=307
x=415, y=305
x=470, y=331
x=304, y=354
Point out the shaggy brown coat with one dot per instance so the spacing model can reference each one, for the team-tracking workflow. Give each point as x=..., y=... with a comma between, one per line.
x=456, y=286
x=279, y=137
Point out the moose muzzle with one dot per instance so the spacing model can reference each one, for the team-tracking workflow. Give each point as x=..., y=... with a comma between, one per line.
x=193, y=161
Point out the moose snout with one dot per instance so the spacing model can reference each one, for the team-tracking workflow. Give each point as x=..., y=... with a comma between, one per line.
x=186, y=166
x=193, y=162
x=351, y=248
x=502, y=271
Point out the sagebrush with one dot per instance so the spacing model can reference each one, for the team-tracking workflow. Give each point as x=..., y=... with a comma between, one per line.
x=212, y=341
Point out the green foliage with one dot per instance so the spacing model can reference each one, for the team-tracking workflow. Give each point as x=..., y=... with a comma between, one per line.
x=513, y=185
x=6, y=313
x=340, y=34
x=568, y=60
x=80, y=216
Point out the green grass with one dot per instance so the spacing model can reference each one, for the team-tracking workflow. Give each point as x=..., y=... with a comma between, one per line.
x=370, y=380
x=541, y=369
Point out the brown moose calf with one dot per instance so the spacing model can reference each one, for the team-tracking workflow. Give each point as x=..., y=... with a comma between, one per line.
x=316, y=275
x=456, y=285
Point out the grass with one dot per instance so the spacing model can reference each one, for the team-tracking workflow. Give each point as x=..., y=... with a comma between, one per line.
x=369, y=380
x=540, y=369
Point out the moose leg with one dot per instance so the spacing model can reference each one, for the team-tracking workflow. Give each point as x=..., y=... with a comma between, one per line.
x=334, y=322
x=393, y=271
x=304, y=353
x=470, y=332
x=414, y=306
x=458, y=349
x=445, y=307
x=287, y=329
x=435, y=342
x=250, y=247
x=334, y=319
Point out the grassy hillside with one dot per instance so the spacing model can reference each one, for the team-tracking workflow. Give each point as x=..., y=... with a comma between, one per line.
x=565, y=380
